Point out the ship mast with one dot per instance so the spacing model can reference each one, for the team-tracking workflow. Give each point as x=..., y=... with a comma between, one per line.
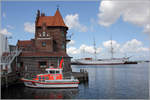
x=94, y=44
x=112, y=53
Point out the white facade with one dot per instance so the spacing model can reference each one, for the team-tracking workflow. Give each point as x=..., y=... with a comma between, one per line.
x=4, y=47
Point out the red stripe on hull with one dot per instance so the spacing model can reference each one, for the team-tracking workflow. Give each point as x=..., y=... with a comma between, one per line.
x=62, y=83
x=53, y=87
x=50, y=83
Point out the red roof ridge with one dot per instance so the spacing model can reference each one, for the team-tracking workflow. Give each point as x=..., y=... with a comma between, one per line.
x=58, y=19
x=55, y=20
x=24, y=42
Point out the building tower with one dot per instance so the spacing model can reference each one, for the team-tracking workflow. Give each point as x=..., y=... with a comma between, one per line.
x=50, y=32
x=48, y=46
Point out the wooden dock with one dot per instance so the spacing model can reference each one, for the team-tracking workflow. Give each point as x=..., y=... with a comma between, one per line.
x=9, y=79
x=82, y=76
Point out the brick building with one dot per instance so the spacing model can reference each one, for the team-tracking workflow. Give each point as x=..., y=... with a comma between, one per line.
x=48, y=46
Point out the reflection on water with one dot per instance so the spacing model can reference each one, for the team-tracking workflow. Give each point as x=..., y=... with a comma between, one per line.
x=105, y=82
x=116, y=82
x=33, y=93
x=51, y=93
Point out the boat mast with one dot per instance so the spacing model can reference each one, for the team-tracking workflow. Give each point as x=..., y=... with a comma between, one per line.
x=94, y=48
x=83, y=53
x=111, y=47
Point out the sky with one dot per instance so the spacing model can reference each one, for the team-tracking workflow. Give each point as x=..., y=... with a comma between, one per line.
x=127, y=22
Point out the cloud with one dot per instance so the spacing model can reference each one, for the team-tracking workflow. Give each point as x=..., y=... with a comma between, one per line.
x=89, y=49
x=72, y=51
x=107, y=47
x=72, y=21
x=10, y=27
x=115, y=47
x=134, y=11
x=133, y=46
x=71, y=43
x=29, y=27
x=83, y=49
x=107, y=44
x=143, y=49
x=5, y=32
x=86, y=49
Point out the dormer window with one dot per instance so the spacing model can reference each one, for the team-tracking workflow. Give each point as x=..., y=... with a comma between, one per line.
x=39, y=34
x=44, y=34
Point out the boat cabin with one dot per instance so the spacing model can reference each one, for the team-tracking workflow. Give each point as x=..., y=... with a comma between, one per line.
x=52, y=74
x=54, y=71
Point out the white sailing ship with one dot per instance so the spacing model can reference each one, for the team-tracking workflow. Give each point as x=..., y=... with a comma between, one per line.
x=95, y=61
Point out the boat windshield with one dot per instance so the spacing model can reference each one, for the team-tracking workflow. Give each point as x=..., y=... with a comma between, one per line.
x=54, y=72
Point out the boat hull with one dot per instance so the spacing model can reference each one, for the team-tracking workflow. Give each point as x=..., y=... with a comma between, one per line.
x=92, y=62
x=51, y=84
x=97, y=63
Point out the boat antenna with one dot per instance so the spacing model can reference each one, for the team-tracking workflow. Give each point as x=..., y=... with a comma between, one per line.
x=83, y=52
x=111, y=47
x=94, y=44
x=58, y=62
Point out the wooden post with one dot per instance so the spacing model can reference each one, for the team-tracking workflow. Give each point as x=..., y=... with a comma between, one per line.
x=6, y=79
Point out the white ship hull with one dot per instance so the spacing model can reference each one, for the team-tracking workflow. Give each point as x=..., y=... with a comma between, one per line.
x=101, y=62
x=52, y=84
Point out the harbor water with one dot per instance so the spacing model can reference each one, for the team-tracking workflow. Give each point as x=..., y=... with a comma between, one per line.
x=128, y=81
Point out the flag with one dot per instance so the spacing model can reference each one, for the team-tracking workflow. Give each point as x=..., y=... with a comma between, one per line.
x=61, y=63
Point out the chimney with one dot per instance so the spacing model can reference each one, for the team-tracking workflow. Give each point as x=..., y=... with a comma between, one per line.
x=38, y=13
x=42, y=14
x=37, y=16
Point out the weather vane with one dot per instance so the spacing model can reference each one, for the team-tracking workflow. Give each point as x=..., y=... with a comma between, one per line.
x=58, y=6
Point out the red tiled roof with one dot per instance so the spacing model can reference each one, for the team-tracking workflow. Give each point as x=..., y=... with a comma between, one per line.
x=55, y=20
x=5, y=53
x=24, y=43
x=43, y=54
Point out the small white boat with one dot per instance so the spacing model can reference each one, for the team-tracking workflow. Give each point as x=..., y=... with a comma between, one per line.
x=52, y=79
